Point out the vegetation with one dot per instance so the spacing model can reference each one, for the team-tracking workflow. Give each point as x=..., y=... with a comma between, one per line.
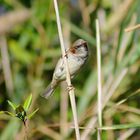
x=30, y=49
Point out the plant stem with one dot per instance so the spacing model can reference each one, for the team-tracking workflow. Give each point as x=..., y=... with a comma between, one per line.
x=68, y=79
x=99, y=78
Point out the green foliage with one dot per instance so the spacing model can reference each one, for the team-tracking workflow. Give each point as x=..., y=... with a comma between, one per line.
x=12, y=105
x=21, y=111
x=34, y=49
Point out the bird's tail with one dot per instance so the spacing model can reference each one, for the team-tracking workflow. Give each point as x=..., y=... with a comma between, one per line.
x=48, y=91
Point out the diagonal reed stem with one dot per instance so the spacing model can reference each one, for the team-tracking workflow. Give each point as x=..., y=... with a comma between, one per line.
x=68, y=79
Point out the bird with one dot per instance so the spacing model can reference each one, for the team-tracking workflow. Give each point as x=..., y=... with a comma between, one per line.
x=76, y=58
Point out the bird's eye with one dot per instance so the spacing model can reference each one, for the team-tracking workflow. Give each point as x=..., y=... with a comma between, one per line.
x=82, y=44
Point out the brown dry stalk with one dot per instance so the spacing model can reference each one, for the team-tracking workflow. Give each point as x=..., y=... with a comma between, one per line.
x=132, y=28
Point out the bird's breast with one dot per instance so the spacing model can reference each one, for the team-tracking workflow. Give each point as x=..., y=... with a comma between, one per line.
x=74, y=64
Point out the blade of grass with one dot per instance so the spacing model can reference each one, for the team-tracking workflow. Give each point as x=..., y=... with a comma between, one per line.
x=99, y=78
x=32, y=114
x=120, y=126
x=99, y=73
x=12, y=105
x=27, y=103
x=7, y=113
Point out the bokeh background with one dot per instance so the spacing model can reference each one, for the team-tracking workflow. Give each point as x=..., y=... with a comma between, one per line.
x=30, y=48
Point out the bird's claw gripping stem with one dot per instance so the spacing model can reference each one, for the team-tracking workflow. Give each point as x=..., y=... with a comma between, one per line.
x=70, y=87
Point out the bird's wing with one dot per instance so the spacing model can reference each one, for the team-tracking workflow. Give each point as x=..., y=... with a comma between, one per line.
x=59, y=70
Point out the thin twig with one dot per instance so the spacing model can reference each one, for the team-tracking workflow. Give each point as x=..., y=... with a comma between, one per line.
x=68, y=79
x=132, y=28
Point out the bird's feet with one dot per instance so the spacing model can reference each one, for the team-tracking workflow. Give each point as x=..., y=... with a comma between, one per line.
x=70, y=87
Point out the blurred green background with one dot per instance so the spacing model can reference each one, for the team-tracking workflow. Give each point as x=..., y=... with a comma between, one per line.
x=30, y=48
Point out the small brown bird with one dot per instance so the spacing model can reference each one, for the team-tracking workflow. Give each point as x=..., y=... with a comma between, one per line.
x=76, y=57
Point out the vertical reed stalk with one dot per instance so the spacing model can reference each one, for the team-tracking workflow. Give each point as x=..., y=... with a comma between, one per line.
x=99, y=78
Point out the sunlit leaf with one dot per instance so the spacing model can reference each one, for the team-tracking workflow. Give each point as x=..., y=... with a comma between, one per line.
x=32, y=114
x=27, y=103
x=12, y=105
